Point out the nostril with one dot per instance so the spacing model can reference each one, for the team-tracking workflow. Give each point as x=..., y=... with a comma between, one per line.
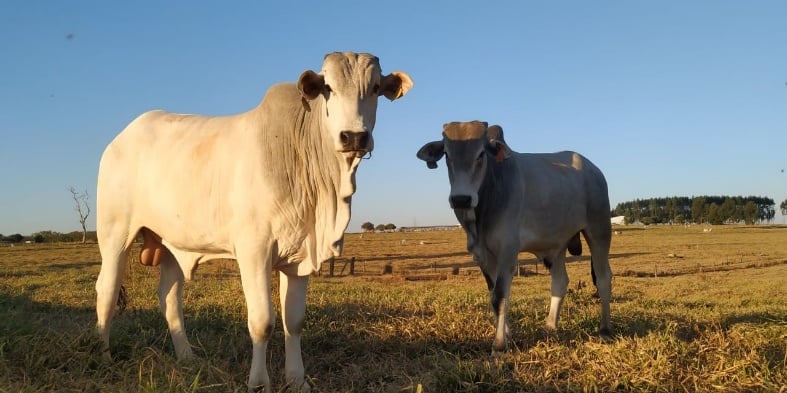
x=460, y=201
x=344, y=137
x=364, y=139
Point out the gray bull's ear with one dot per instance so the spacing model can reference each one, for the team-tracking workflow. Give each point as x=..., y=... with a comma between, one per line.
x=395, y=85
x=431, y=153
x=497, y=143
x=310, y=84
x=499, y=149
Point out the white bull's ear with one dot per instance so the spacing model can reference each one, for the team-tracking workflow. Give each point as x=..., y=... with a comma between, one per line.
x=310, y=84
x=395, y=85
x=431, y=153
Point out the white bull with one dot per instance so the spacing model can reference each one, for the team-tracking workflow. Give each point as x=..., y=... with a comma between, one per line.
x=270, y=187
x=509, y=202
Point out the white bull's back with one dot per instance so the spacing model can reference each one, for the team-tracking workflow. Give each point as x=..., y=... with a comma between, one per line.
x=176, y=174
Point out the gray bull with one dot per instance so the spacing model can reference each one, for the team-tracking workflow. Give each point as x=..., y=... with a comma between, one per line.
x=509, y=202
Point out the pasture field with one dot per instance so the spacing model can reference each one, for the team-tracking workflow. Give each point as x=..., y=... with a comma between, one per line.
x=692, y=311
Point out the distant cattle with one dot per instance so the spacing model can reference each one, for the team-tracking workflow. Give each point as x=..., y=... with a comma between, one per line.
x=509, y=202
x=270, y=187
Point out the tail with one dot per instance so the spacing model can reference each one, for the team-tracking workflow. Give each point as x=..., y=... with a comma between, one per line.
x=575, y=249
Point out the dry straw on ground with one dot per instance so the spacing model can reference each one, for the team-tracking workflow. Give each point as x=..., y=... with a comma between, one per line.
x=693, y=311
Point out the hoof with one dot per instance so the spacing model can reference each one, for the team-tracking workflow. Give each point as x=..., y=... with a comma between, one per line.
x=259, y=389
x=549, y=330
x=186, y=356
x=304, y=388
x=606, y=335
x=296, y=387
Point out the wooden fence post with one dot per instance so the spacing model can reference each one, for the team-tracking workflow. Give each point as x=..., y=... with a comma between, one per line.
x=330, y=267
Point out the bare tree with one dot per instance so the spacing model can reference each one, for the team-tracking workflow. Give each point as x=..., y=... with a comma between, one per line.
x=82, y=207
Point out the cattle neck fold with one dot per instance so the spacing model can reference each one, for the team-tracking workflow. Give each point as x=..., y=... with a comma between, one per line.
x=491, y=193
x=320, y=180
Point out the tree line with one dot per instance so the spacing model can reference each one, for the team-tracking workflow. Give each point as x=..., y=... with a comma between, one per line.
x=369, y=227
x=50, y=237
x=713, y=210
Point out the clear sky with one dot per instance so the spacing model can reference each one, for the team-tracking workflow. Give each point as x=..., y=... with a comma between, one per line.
x=668, y=98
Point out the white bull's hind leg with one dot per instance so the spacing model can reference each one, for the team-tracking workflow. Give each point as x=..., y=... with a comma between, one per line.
x=170, y=293
x=255, y=273
x=559, y=286
x=114, y=259
x=292, y=292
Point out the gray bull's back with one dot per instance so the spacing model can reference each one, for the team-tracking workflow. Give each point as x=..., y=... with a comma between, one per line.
x=554, y=196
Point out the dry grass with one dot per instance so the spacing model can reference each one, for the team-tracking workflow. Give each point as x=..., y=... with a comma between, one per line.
x=693, y=311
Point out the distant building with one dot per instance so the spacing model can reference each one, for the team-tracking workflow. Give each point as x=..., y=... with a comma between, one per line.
x=431, y=228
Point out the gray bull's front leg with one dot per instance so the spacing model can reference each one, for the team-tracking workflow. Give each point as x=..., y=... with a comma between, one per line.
x=499, y=274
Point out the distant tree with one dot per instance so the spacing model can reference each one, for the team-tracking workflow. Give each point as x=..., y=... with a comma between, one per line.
x=82, y=207
x=783, y=207
x=636, y=213
x=38, y=238
x=367, y=226
x=698, y=209
x=750, y=213
x=379, y=227
x=15, y=238
x=390, y=227
x=714, y=215
x=727, y=210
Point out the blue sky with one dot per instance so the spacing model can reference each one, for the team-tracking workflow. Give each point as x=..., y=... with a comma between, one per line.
x=667, y=98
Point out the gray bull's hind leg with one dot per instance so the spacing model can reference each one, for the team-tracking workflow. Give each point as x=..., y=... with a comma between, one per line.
x=559, y=286
x=599, y=242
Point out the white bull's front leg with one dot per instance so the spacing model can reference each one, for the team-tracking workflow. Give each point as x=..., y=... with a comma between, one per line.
x=292, y=292
x=255, y=274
